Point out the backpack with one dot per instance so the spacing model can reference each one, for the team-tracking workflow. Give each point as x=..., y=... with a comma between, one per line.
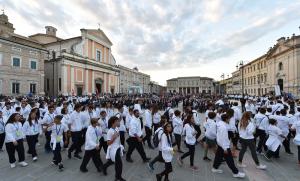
x=167, y=114
x=156, y=138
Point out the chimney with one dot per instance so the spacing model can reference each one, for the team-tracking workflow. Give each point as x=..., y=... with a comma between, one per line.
x=50, y=30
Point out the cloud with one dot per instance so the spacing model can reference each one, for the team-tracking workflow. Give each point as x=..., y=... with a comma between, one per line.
x=158, y=35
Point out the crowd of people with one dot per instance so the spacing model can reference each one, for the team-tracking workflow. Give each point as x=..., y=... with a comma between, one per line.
x=119, y=124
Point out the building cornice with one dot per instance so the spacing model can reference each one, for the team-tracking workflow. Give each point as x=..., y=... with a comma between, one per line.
x=87, y=61
x=21, y=44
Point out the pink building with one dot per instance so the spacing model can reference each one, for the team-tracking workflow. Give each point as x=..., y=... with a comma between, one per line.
x=79, y=65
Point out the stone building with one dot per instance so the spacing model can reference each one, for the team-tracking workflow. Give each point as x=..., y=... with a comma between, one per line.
x=133, y=81
x=21, y=62
x=156, y=88
x=255, y=77
x=236, y=82
x=191, y=85
x=283, y=66
x=279, y=67
x=79, y=65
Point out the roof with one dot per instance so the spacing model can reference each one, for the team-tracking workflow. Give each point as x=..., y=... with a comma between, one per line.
x=64, y=40
x=22, y=40
x=43, y=34
x=190, y=77
x=273, y=49
x=253, y=61
x=100, y=34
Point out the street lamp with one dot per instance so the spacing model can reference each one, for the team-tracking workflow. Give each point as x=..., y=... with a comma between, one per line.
x=242, y=70
x=222, y=76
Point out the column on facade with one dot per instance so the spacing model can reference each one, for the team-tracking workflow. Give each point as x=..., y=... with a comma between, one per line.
x=64, y=80
x=93, y=50
x=109, y=82
x=72, y=80
x=86, y=81
x=93, y=82
x=41, y=85
x=104, y=82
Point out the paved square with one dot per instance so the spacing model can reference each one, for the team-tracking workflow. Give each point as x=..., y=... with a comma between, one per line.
x=283, y=169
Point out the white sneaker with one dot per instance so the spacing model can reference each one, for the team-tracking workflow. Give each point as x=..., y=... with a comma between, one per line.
x=239, y=175
x=216, y=170
x=12, y=165
x=241, y=165
x=34, y=158
x=23, y=164
x=261, y=167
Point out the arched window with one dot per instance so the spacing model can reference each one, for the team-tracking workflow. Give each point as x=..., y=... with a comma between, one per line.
x=280, y=66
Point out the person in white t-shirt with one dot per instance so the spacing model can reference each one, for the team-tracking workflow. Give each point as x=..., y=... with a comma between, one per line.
x=31, y=129
x=148, y=126
x=167, y=151
x=65, y=121
x=75, y=126
x=103, y=122
x=190, y=141
x=274, y=141
x=115, y=149
x=93, y=135
x=57, y=130
x=223, y=150
x=177, y=129
x=159, y=157
x=246, y=130
x=48, y=120
x=2, y=129
x=14, y=140
x=135, y=138
x=296, y=127
x=210, y=134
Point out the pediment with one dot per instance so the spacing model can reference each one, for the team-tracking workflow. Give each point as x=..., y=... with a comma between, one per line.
x=97, y=33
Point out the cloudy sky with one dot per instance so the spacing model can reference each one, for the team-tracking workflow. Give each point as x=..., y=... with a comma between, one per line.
x=168, y=38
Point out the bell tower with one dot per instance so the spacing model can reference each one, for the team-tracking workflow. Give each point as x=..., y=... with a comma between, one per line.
x=5, y=26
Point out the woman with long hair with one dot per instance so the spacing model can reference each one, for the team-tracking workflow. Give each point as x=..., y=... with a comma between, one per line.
x=247, y=129
x=14, y=140
x=167, y=151
x=31, y=130
x=190, y=141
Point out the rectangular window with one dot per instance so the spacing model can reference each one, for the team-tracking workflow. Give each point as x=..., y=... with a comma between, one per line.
x=32, y=88
x=59, y=84
x=98, y=56
x=33, y=64
x=15, y=88
x=16, y=62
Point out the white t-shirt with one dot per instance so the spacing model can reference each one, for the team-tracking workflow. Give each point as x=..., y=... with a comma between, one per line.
x=112, y=149
x=210, y=129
